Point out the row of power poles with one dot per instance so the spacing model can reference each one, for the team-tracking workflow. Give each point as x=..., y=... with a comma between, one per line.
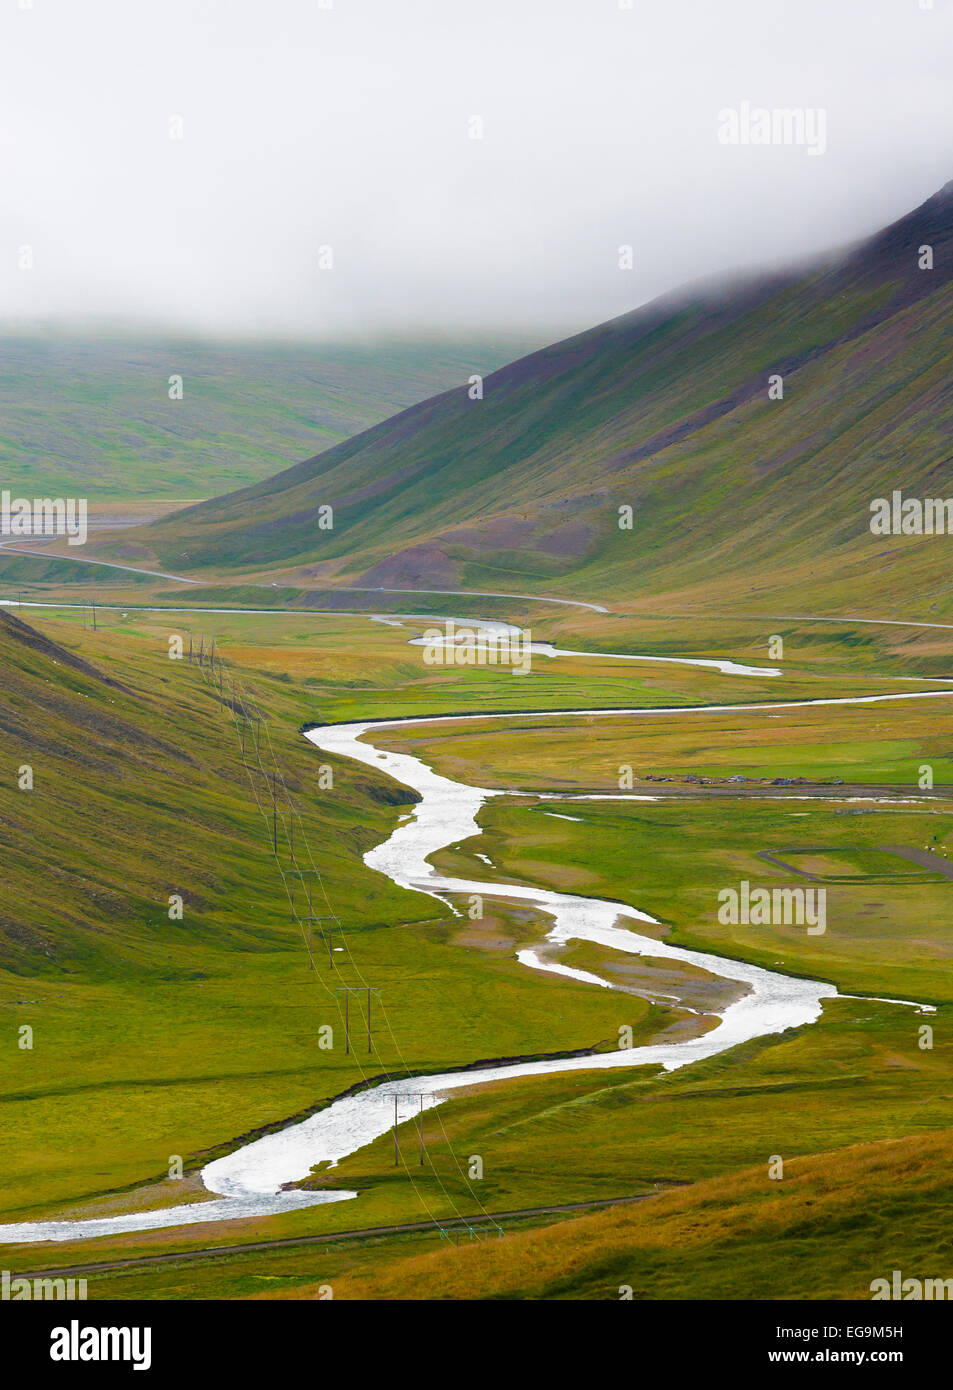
x=322, y=926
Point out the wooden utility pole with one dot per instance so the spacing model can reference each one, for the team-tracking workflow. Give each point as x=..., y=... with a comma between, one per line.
x=410, y=1095
x=243, y=720
x=308, y=876
x=310, y=923
x=329, y=933
x=347, y=991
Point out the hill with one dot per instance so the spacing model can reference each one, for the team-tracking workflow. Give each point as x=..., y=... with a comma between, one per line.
x=714, y=1239
x=667, y=411
x=137, y=792
x=92, y=414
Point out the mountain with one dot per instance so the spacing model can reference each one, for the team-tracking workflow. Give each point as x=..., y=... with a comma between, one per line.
x=138, y=791
x=665, y=410
x=93, y=413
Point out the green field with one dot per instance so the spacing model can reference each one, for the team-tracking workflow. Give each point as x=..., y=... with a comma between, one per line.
x=92, y=414
x=160, y=1040
x=155, y=1038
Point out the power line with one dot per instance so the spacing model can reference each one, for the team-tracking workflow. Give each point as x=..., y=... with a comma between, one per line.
x=238, y=700
x=347, y=991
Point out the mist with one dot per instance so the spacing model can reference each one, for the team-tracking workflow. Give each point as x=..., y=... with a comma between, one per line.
x=382, y=168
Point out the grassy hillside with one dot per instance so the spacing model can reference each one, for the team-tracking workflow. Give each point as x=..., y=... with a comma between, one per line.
x=92, y=415
x=138, y=792
x=665, y=410
x=833, y=1224
x=154, y=1038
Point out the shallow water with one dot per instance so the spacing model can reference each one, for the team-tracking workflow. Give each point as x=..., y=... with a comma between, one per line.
x=246, y=1182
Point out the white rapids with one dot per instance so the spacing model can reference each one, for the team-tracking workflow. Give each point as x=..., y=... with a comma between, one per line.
x=248, y=1182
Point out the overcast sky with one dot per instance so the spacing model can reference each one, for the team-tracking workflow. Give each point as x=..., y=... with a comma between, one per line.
x=305, y=127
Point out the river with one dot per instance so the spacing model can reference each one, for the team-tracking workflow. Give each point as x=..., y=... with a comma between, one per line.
x=247, y=1182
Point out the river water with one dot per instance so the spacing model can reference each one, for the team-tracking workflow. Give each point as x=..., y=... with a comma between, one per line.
x=247, y=1182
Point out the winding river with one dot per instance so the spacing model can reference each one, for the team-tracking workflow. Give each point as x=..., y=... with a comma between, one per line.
x=247, y=1182
x=485, y=630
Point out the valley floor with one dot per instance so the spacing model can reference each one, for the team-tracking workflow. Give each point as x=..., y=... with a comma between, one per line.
x=223, y=1005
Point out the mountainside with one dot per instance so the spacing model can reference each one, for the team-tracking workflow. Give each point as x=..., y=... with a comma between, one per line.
x=137, y=792
x=665, y=410
x=94, y=414
x=688, y=1244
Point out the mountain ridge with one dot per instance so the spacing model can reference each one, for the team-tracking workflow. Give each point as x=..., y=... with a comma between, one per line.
x=664, y=409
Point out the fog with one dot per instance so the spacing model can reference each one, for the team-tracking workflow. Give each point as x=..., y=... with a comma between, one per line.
x=293, y=168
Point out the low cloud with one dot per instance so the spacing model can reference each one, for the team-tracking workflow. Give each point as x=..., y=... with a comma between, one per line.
x=397, y=166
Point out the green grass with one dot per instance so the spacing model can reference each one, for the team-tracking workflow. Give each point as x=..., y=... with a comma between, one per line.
x=738, y=501
x=836, y=1222
x=869, y=745
x=206, y=1029
x=93, y=416
x=886, y=934
x=155, y=1039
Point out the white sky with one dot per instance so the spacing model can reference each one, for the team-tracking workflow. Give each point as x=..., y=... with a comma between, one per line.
x=347, y=127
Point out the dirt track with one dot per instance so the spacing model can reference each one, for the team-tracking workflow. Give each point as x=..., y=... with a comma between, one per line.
x=365, y=1233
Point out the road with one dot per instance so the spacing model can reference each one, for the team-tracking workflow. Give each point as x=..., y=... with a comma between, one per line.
x=347, y=589
x=106, y=564
x=330, y=1237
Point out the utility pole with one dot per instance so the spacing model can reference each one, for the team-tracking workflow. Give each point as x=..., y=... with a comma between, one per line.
x=271, y=779
x=308, y=876
x=347, y=991
x=419, y=1097
x=330, y=935
x=243, y=720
